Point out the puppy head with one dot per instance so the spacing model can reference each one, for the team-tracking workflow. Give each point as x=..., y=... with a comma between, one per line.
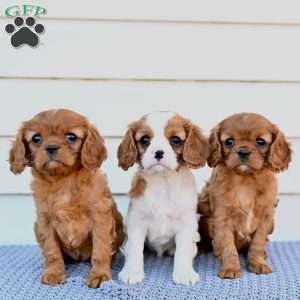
x=163, y=141
x=57, y=142
x=248, y=143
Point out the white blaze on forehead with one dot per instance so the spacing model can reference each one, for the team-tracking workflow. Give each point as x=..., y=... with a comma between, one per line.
x=158, y=121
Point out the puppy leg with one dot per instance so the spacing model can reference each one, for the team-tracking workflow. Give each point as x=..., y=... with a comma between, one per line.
x=225, y=249
x=54, y=263
x=186, y=249
x=101, y=253
x=133, y=270
x=258, y=248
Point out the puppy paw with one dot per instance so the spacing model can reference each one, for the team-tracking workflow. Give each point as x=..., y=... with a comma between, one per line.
x=260, y=268
x=94, y=279
x=230, y=273
x=189, y=277
x=131, y=276
x=53, y=278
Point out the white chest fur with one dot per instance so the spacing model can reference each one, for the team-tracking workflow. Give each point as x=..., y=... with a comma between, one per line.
x=169, y=200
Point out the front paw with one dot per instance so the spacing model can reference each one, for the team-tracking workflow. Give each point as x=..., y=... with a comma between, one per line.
x=95, y=279
x=131, y=276
x=53, y=278
x=259, y=268
x=230, y=272
x=189, y=277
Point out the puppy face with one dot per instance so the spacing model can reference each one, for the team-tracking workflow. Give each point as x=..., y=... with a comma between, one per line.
x=248, y=143
x=163, y=141
x=57, y=142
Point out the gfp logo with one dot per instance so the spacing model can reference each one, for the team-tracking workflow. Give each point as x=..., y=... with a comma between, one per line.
x=25, y=30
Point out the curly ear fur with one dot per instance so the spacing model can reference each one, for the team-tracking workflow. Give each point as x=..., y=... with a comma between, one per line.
x=280, y=154
x=215, y=148
x=93, y=151
x=18, y=156
x=127, y=151
x=195, y=151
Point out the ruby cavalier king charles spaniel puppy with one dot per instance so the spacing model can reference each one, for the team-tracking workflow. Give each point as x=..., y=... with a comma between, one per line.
x=76, y=214
x=163, y=198
x=238, y=202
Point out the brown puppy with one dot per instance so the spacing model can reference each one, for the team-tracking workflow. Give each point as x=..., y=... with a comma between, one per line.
x=237, y=204
x=76, y=214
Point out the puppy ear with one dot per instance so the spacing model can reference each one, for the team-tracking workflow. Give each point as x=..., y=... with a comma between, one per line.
x=215, y=148
x=280, y=154
x=18, y=158
x=93, y=151
x=127, y=151
x=195, y=150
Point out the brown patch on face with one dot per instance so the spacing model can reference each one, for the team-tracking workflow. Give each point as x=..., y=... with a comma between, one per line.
x=138, y=186
x=132, y=149
x=142, y=131
x=177, y=127
x=77, y=144
x=249, y=133
x=187, y=141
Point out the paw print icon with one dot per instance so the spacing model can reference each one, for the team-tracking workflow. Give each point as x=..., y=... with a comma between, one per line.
x=24, y=32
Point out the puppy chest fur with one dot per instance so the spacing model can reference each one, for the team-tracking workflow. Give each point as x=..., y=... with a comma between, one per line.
x=169, y=197
x=241, y=202
x=69, y=211
x=244, y=219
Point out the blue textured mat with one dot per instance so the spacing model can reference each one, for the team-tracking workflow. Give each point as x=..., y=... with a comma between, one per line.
x=22, y=266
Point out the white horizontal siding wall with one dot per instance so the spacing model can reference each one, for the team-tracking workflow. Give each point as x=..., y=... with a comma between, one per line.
x=115, y=61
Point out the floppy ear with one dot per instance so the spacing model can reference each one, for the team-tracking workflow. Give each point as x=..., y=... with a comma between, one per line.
x=127, y=151
x=93, y=151
x=215, y=148
x=195, y=150
x=280, y=154
x=18, y=156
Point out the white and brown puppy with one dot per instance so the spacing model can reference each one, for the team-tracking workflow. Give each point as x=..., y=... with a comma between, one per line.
x=163, y=197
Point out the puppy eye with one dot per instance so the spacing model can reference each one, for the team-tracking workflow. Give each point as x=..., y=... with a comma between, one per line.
x=229, y=142
x=260, y=142
x=175, y=141
x=145, y=140
x=37, y=139
x=71, y=137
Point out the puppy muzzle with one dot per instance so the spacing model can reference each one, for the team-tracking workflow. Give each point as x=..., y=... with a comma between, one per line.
x=52, y=149
x=243, y=154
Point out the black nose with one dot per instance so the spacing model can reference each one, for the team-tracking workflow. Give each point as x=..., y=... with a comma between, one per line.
x=244, y=153
x=159, y=154
x=52, y=149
